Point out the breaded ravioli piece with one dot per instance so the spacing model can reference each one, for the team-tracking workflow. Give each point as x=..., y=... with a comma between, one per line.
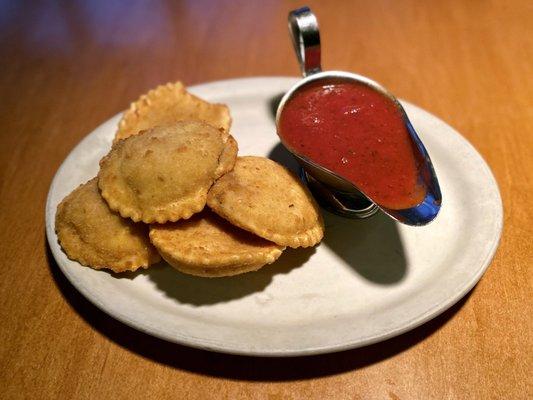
x=168, y=104
x=163, y=174
x=207, y=245
x=264, y=198
x=90, y=233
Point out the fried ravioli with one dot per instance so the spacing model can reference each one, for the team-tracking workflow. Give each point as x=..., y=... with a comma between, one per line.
x=90, y=233
x=168, y=104
x=163, y=174
x=264, y=198
x=207, y=245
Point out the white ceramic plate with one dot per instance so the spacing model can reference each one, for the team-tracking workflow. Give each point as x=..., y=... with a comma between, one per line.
x=367, y=281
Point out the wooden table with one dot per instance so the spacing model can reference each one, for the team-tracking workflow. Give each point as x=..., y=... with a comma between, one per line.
x=67, y=67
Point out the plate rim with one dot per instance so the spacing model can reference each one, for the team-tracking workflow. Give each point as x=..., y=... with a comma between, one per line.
x=211, y=346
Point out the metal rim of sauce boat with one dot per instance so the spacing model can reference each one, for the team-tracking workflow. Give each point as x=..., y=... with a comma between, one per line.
x=336, y=201
x=334, y=192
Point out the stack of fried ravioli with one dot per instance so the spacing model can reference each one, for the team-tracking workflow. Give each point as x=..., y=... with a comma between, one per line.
x=173, y=185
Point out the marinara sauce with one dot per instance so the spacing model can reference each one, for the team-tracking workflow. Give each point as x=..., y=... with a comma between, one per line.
x=358, y=133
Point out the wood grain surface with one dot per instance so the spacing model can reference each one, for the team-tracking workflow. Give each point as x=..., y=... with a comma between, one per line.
x=68, y=66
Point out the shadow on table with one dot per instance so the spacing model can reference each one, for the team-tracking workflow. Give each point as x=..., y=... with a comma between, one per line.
x=241, y=367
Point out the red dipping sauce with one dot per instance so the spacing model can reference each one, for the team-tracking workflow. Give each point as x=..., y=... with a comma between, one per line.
x=358, y=133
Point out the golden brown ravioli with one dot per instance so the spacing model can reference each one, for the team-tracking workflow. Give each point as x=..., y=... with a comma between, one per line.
x=264, y=198
x=163, y=174
x=90, y=233
x=207, y=245
x=168, y=104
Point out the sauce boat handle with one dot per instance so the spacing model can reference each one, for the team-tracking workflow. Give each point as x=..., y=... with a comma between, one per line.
x=303, y=28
